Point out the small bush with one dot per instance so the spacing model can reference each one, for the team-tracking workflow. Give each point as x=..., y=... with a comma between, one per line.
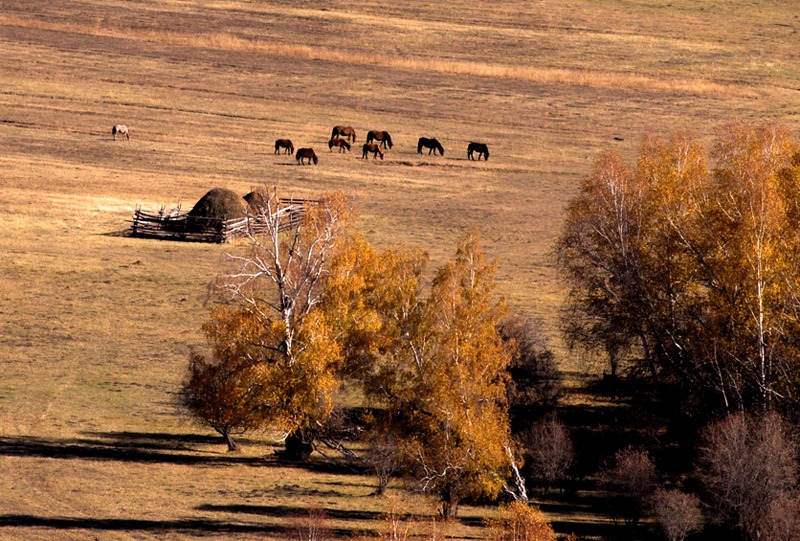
x=678, y=514
x=518, y=521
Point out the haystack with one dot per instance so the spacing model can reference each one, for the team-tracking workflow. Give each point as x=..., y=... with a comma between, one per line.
x=219, y=204
x=257, y=200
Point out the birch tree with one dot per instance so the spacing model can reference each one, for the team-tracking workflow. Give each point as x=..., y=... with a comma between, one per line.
x=282, y=338
x=693, y=271
x=441, y=381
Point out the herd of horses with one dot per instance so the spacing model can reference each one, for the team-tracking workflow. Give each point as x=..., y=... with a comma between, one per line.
x=341, y=137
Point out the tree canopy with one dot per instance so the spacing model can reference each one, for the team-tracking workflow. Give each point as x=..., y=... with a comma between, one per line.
x=309, y=311
x=692, y=271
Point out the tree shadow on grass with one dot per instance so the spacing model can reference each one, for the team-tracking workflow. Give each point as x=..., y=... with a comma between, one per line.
x=126, y=447
x=189, y=526
x=283, y=511
x=299, y=517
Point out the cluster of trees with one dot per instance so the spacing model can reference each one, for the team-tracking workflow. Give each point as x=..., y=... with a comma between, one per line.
x=308, y=312
x=683, y=275
x=690, y=273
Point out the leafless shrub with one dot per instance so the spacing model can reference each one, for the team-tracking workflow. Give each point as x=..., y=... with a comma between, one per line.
x=549, y=450
x=383, y=457
x=631, y=480
x=677, y=513
x=313, y=527
x=535, y=379
x=749, y=466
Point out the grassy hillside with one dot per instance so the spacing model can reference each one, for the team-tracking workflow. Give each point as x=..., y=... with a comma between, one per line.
x=96, y=326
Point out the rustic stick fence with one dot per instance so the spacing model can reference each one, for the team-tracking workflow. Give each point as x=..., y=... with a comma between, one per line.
x=177, y=225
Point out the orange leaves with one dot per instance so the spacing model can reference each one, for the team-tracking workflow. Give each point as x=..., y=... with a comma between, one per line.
x=317, y=308
x=694, y=271
x=443, y=378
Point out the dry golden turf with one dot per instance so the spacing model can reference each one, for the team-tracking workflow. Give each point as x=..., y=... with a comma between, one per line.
x=95, y=327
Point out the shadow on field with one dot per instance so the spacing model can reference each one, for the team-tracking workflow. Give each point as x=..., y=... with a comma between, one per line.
x=283, y=511
x=127, y=447
x=189, y=526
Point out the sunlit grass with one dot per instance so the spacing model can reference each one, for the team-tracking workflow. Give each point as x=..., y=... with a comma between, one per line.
x=97, y=326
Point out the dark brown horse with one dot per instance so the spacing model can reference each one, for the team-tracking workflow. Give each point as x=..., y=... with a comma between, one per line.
x=371, y=147
x=432, y=144
x=342, y=144
x=481, y=148
x=306, y=154
x=121, y=129
x=382, y=137
x=285, y=144
x=343, y=131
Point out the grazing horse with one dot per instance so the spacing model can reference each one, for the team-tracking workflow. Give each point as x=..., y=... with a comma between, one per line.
x=382, y=137
x=481, y=148
x=371, y=147
x=343, y=131
x=341, y=143
x=121, y=129
x=431, y=144
x=306, y=153
x=285, y=144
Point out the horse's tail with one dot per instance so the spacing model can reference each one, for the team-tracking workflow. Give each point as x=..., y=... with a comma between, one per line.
x=388, y=139
x=334, y=133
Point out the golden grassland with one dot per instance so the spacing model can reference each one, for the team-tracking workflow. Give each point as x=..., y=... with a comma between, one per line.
x=96, y=326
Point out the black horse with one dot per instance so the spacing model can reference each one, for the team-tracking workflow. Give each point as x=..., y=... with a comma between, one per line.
x=342, y=144
x=431, y=144
x=382, y=137
x=481, y=148
x=285, y=144
x=306, y=154
x=343, y=131
x=371, y=147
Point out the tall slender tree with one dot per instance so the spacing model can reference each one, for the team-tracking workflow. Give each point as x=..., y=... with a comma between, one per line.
x=441, y=380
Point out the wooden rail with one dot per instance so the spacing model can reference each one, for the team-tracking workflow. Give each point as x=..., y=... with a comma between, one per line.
x=176, y=225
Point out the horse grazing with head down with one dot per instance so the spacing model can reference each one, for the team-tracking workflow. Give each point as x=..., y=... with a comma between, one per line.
x=371, y=147
x=481, y=148
x=432, y=144
x=382, y=137
x=306, y=154
x=285, y=144
x=121, y=129
x=344, y=131
x=342, y=144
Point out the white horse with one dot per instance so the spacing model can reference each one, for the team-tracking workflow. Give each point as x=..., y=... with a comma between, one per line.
x=121, y=129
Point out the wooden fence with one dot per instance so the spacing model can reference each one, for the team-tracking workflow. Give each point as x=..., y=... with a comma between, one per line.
x=177, y=225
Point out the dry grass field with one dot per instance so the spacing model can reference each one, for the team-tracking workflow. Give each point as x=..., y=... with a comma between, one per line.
x=96, y=327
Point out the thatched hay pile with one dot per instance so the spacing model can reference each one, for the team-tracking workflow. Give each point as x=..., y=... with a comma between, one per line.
x=257, y=201
x=220, y=204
